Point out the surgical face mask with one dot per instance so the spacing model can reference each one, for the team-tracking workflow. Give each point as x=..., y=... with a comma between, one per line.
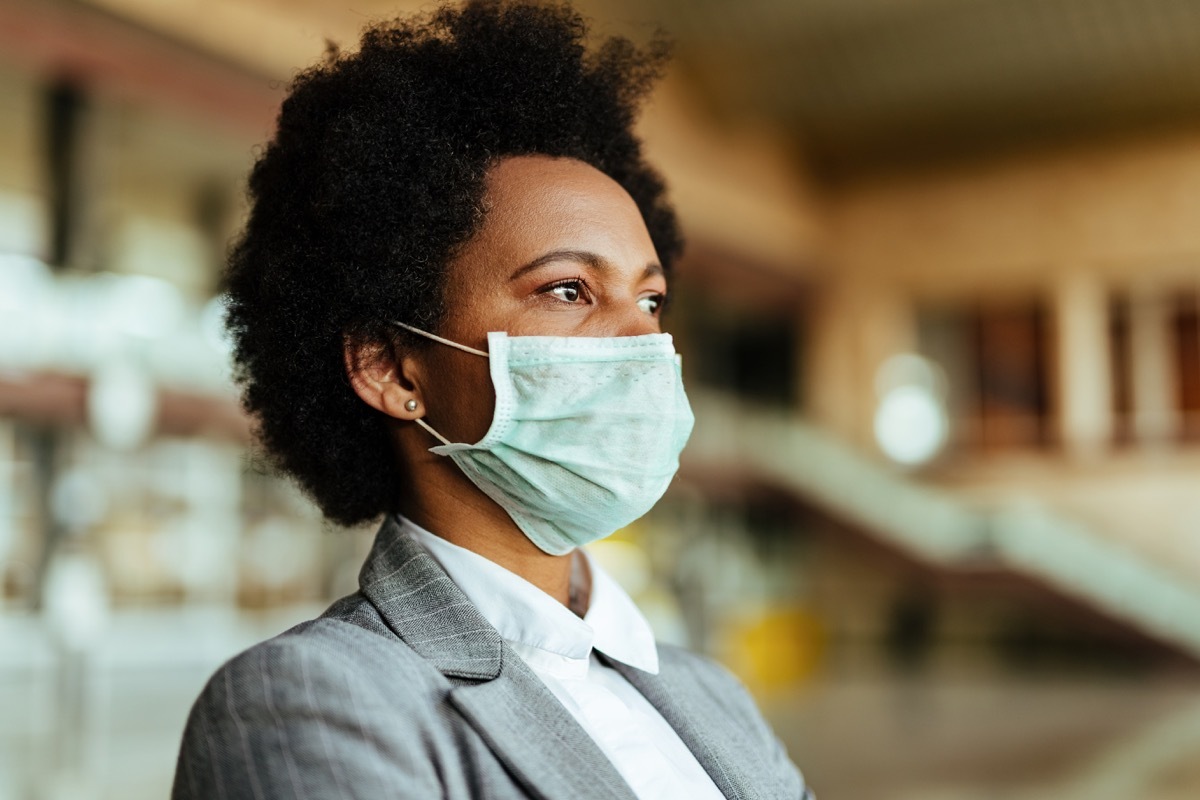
x=586, y=433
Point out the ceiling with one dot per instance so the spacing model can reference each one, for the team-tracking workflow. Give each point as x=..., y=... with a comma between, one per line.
x=874, y=83
x=859, y=85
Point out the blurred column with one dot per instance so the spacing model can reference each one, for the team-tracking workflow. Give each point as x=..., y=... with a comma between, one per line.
x=200, y=543
x=1085, y=379
x=855, y=328
x=886, y=318
x=8, y=512
x=62, y=141
x=213, y=526
x=215, y=221
x=45, y=447
x=830, y=378
x=76, y=616
x=1155, y=417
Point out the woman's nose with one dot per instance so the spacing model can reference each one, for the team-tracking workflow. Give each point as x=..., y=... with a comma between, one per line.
x=634, y=321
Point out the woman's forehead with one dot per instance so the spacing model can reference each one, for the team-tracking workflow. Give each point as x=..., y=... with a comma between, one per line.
x=543, y=182
x=537, y=204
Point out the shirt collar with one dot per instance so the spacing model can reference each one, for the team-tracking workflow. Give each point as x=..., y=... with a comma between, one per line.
x=621, y=630
x=536, y=624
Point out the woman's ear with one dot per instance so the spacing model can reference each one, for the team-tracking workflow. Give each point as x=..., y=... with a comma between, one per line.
x=382, y=379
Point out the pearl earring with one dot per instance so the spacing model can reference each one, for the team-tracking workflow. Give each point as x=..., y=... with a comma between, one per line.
x=411, y=405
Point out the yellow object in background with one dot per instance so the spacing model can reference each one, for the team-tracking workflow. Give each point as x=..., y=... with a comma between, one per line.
x=775, y=648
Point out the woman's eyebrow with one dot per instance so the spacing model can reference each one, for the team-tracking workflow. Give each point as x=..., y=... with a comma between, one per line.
x=584, y=257
x=580, y=256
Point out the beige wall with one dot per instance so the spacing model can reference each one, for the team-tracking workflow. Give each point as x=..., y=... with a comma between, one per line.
x=1123, y=210
x=737, y=186
x=1071, y=227
x=1058, y=225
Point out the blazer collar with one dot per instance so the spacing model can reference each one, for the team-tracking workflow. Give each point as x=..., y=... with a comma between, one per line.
x=420, y=603
x=510, y=708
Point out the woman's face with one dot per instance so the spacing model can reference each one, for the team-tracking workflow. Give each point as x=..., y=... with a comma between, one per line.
x=563, y=251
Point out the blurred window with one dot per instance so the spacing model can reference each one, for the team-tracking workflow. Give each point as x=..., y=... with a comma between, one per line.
x=1185, y=332
x=996, y=359
x=754, y=357
x=764, y=361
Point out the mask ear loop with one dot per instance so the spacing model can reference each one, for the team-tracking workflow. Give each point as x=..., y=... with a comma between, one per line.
x=431, y=431
x=437, y=338
x=440, y=340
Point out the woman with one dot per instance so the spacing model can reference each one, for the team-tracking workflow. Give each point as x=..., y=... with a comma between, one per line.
x=454, y=239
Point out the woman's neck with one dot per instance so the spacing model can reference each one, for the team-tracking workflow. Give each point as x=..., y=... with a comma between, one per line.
x=450, y=506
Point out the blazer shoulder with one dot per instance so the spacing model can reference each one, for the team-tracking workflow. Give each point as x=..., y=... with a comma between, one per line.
x=326, y=708
x=680, y=661
x=313, y=656
x=699, y=675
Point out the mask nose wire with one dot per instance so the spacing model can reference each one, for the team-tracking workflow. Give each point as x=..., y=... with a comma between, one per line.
x=440, y=340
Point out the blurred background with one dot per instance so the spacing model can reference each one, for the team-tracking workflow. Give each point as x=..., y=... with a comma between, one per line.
x=941, y=318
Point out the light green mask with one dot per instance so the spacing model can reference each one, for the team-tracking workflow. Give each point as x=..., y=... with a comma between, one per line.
x=586, y=433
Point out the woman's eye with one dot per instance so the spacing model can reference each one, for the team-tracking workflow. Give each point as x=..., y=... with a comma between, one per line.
x=568, y=292
x=651, y=303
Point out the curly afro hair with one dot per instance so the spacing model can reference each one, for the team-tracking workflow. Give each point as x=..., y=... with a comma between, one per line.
x=375, y=176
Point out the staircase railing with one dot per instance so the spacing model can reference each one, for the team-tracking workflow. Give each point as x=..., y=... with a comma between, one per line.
x=932, y=524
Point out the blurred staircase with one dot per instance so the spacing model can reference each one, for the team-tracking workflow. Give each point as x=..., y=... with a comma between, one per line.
x=935, y=526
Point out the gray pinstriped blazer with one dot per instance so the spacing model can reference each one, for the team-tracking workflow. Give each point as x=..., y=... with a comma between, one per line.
x=403, y=690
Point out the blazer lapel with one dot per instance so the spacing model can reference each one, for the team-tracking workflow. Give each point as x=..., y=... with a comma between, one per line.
x=528, y=728
x=419, y=602
x=725, y=755
x=512, y=710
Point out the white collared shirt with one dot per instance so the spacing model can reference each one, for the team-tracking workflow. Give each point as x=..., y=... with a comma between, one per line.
x=560, y=648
